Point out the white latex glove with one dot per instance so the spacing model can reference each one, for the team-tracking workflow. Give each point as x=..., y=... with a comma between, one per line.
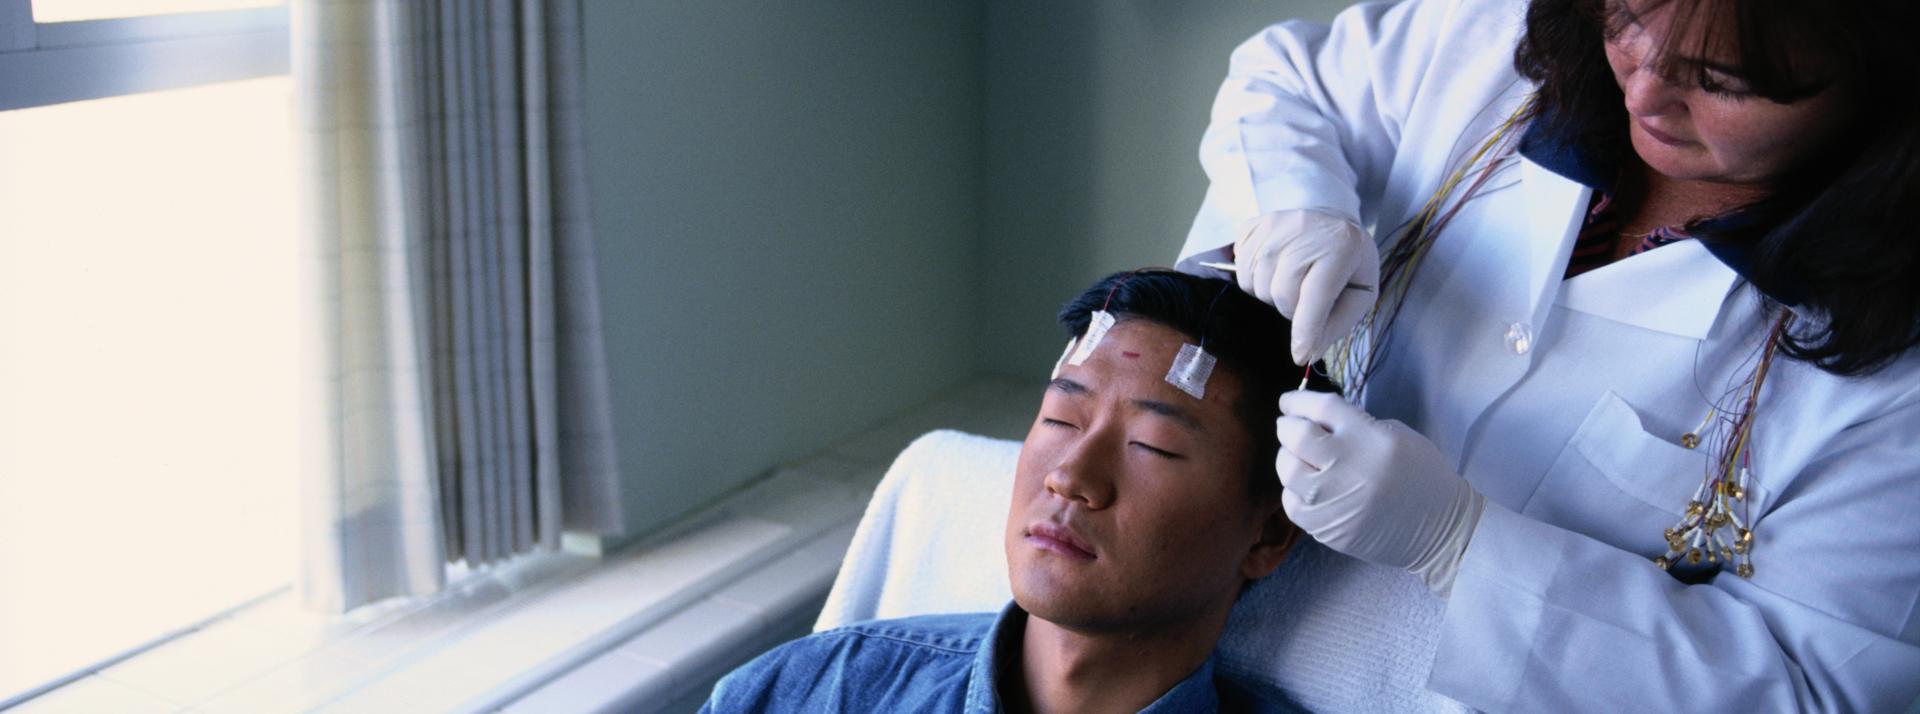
x=1373, y=489
x=1319, y=270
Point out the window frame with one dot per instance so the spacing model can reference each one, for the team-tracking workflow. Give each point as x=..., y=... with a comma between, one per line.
x=44, y=63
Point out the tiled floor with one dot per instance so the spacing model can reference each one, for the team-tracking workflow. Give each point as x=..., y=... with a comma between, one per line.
x=652, y=625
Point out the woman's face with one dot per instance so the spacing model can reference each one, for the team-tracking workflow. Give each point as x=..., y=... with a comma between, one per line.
x=1702, y=123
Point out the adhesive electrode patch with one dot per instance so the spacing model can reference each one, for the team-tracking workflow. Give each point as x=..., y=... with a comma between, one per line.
x=1062, y=362
x=1097, y=328
x=1190, y=371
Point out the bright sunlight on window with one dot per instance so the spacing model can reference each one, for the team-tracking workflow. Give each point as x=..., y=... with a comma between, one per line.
x=147, y=364
x=70, y=10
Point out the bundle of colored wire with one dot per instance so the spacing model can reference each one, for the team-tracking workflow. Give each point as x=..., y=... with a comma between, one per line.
x=1721, y=505
x=1352, y=359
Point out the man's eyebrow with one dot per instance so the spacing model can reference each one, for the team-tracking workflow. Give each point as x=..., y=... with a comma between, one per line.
x=1170, y=411
x=1182, y=416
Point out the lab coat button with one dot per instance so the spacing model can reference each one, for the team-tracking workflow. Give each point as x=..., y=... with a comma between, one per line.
x=1520, y=338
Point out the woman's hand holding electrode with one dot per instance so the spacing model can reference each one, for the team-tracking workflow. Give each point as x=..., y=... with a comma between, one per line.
x=1320, y=270
x=1373, y=488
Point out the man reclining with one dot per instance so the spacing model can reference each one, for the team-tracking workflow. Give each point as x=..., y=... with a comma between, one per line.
x=1144, y=501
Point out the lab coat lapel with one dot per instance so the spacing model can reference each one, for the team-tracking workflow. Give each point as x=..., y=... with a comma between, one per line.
x=1532, y=221
x=1537, y=222
x=1556, y=210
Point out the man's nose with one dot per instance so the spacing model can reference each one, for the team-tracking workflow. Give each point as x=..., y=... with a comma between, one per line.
x=1084, y=473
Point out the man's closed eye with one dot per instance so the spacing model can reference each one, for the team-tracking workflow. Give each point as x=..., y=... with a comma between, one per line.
x=1162, y=453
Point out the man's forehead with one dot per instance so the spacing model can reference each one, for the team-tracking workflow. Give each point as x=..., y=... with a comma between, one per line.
x=1138, y=343
x=1131, y=365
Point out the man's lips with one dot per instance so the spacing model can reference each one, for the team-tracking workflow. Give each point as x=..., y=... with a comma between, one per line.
x=1051, y=536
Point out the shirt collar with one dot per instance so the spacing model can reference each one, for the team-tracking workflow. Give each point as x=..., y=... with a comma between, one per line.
x=1196, y=693
x=1001, y=643
x=1654, y=298
x=1563, y=148
x=999, y=652
x=1557, y=146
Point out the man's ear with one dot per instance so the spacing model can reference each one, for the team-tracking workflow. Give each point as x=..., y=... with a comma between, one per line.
x=1277, y=536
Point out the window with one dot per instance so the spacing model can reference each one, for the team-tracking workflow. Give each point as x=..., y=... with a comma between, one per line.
x=147, y=346
x=71, y=10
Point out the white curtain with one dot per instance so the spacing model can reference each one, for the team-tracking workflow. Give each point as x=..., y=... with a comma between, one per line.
x=459, y=383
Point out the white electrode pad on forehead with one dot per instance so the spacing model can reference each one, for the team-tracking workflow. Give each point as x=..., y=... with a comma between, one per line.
x=1097, y=327
x=1062, y=362
x=1190, y=371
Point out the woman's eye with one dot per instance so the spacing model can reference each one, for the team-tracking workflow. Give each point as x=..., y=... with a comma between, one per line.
x=1716, y=83
x=1162, y=453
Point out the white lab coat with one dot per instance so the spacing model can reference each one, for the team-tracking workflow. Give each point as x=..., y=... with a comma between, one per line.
x=1574, y=437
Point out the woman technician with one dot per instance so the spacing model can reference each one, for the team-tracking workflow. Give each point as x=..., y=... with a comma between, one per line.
x=1648, y=408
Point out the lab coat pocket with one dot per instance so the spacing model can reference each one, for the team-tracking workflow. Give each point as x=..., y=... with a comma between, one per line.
x=1615, y=482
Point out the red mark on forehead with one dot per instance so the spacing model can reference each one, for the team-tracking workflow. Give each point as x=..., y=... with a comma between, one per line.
x=1129, y=355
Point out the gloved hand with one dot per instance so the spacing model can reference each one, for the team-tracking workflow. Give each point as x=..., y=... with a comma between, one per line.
x=1320, y=270
x=1373, y=489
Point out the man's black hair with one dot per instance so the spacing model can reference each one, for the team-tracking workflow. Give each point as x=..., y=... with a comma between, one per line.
x=1247, y=336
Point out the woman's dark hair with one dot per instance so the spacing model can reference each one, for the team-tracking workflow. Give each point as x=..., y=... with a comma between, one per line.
x=1247, y=336
x=1836, y=235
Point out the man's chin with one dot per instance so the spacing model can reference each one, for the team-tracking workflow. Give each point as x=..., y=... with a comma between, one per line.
x=1066, y=601
x=1064, y=615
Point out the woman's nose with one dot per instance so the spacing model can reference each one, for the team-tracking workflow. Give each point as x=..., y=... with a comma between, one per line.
x=1649, y=94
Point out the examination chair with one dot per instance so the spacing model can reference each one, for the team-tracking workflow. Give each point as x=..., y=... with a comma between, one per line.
x=1334, y=633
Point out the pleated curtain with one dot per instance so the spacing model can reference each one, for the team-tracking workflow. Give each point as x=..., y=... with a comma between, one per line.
x=458, y=384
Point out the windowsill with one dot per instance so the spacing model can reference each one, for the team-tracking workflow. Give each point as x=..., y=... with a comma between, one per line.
x=654, y=623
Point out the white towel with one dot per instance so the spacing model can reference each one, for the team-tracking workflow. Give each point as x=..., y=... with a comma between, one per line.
x=931, y=540
x=1336, y=634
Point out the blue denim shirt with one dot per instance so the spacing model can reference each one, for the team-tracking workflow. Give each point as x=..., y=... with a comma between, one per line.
x=933, y=663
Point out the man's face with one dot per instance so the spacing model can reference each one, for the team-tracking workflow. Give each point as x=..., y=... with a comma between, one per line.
x=1131, y=505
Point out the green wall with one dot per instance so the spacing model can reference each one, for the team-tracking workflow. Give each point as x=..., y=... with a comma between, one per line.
x=1094, y=115
x=814, y=215
x=785, y=205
